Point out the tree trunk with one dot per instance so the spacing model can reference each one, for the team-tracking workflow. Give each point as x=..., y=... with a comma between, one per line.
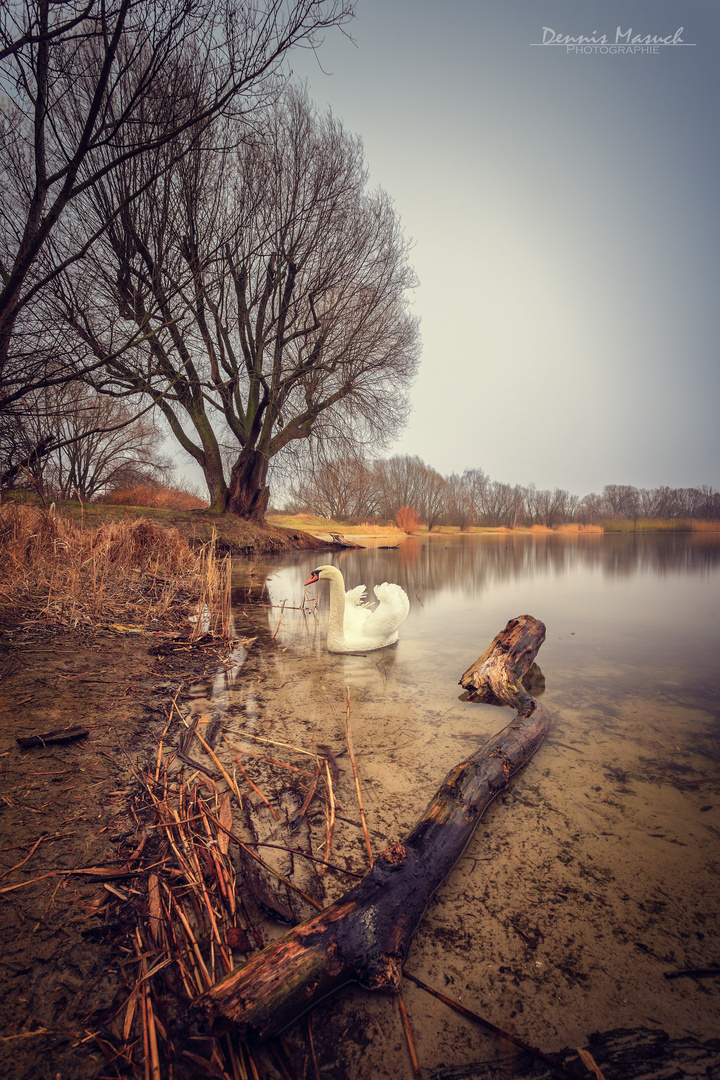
x=248, y=494
x=365, y=936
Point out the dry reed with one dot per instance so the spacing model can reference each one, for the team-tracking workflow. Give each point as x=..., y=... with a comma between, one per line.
x=192, y=923
x=135, y=570
x=214, y=607
x=189, y=909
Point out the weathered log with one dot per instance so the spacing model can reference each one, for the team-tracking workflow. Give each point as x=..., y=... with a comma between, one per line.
x=341, y=541
x=365, y=936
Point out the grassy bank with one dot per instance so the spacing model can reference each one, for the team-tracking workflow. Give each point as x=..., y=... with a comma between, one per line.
x=325, y=527
x=232, y=535
x=680, y=525
x=130, y=574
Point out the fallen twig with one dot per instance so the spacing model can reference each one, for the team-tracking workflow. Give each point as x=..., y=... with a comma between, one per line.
x=59, y=735
x=506, y=1035
x=365, y=935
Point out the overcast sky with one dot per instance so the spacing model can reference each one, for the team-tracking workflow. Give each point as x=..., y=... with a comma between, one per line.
x=564, y=208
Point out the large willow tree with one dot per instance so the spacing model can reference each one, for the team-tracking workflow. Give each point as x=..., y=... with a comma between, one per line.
x=88, y=87
x=265, y=291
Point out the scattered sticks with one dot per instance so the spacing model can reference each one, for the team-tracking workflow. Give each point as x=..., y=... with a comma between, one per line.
x=196, y=929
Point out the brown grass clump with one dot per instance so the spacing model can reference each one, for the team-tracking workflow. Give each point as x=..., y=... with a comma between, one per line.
x=29, y=536
x=155, y=495
x=140, y=544
x=625, y=525
x=576, y=527
x=705, y=526
x=61, y=573
x=323, y=526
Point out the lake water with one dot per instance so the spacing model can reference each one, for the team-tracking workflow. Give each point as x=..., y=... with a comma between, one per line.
x=597, y=871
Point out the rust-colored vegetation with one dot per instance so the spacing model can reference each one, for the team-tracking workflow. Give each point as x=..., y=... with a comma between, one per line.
x=60, y=572
x=408, y=520
x=155, y=495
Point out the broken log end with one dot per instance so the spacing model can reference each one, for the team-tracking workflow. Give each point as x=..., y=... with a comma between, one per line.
x=496, y=676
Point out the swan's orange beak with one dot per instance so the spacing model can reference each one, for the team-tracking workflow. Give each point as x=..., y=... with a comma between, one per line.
x=312, y=579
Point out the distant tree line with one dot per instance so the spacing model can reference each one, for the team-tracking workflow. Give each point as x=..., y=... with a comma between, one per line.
x=354, y=488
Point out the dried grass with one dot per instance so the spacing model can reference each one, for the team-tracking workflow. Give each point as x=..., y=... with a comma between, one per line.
x=129, y=570
x=575, y=527
x=315, y=525
x=192, y=925
x=625, y=525
x=191, y=913
x=155, y=495
x=214, y=607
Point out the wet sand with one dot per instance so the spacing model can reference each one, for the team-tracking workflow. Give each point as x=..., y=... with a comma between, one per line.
x=64, y=937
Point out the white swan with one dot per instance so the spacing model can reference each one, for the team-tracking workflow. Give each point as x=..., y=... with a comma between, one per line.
x=355, y=627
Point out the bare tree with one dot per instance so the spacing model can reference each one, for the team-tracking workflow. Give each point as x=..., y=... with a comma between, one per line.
x=460, y=504
x=270, y=291
x=549, y=508
x=404, y=480
x=706, y=502
x=623, y=500
x=590, y=508
x=434, y=502
x=400, y=483
x=502, y=504
x=342, y=488
x=88, y=86
x=90, y=441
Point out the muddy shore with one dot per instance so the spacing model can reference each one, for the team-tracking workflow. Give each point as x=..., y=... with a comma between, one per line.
x=64, y=807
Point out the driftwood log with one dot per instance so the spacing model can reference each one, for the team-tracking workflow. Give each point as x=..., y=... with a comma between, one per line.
x=341, y=541
x=365, y=936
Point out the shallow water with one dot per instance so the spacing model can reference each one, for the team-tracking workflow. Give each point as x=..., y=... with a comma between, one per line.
x=598, y=869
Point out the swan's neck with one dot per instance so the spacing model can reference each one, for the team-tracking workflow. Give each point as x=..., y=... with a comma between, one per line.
x=336, y=620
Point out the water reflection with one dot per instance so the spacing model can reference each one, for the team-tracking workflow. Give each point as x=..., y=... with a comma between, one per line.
x=645, y=606
x=473, y=562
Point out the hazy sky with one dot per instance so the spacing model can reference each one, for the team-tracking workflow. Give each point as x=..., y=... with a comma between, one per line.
x=564, y=208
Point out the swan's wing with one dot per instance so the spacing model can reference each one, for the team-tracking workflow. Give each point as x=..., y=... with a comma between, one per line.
x=391, y=612
x=355, y=597
x=356, y=611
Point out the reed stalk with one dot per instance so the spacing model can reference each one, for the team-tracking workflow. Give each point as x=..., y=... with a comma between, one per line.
x=351, y=750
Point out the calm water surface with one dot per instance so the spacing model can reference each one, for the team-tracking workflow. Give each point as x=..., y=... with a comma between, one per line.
x=623, y=613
